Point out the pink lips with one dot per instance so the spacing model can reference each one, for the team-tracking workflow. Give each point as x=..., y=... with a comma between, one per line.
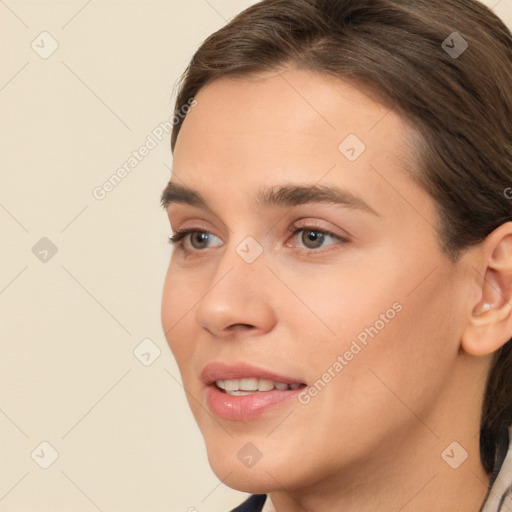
x=240, y=408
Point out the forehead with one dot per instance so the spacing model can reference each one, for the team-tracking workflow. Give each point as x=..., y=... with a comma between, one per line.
x=293, y=114
x=291, y=126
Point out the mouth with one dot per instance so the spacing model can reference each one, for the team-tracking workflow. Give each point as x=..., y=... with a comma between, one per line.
x=251, y=385
x=242, y=392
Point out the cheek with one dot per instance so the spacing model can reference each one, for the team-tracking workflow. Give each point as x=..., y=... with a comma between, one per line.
x=401, y=365
x=335, y=306
x=373, y=339
x=178, y=299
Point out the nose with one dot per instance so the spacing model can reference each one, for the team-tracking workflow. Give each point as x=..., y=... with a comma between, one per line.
x=238, y=299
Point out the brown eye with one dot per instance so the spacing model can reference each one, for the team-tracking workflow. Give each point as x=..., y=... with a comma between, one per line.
x=199, y=239
x=195, y=238
x=312, y=238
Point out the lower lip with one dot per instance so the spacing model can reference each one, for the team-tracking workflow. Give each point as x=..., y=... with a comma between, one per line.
x=246, y=407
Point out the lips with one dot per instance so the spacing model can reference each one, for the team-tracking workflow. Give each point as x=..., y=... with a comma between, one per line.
x=222, y=371
x=242, y=392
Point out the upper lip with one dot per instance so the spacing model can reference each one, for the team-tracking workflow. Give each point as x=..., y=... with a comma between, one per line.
x=224, y=371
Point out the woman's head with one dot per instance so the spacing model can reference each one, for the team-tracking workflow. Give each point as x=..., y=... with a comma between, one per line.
x=399, y=318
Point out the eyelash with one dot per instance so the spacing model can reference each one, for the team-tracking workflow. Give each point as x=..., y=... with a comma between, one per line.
x=176, y=240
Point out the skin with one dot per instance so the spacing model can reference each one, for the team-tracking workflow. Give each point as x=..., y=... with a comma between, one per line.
x=384, y=420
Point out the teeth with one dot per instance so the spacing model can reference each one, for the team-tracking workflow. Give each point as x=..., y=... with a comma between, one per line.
x=239, y=393
x=241, y=387
x=231, y=385
x=265, y=385
x=248, y=384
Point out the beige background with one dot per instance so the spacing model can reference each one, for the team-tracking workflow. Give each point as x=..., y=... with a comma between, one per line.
x=71, y=321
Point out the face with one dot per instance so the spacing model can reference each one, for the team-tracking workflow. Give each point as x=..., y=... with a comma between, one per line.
x=310, y=300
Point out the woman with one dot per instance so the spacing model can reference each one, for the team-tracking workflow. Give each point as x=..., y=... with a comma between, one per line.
x=340, y=291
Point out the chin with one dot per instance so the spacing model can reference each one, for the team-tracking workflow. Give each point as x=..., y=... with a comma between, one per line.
x=253, y=480
x=245, y=469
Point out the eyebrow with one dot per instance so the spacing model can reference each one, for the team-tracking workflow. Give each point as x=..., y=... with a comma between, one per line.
x=282, y=195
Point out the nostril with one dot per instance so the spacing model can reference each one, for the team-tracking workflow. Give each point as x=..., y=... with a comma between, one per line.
x=241, y=327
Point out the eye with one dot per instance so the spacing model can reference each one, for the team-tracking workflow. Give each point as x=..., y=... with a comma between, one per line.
x=313, y=238
x=197, y=239
x=190, y=240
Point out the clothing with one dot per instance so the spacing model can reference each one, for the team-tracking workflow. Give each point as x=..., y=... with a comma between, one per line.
x=253, y=504
x=498, y=499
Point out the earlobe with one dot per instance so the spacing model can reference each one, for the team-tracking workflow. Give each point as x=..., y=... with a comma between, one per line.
x=490, y=324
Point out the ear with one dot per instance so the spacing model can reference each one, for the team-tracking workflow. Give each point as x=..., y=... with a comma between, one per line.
x=490, y=323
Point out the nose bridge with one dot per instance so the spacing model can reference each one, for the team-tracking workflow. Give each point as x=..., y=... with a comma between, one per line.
x=243, y=256
x=238, y=293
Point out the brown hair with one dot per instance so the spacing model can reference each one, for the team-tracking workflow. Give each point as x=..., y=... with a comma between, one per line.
x=460, y=104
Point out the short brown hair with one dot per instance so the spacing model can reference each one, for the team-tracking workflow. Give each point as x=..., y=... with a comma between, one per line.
x=460, y=103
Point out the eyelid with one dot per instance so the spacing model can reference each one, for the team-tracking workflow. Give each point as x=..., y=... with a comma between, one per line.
x=179, y=236
x=312, y=228
x=189, y=225
x=319, y=252
x=307, y=223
